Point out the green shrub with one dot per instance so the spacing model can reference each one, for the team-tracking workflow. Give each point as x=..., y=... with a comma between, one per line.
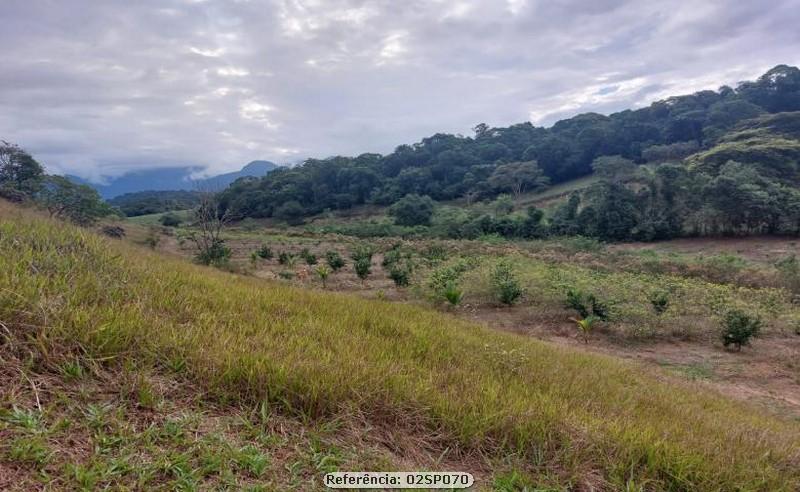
x=505, y=285
x=264, y=252
x=660, y=301
x=585, y=326
x=323, y=272
x=789, y=270
x=334, y=260
x=363, y=267
x=362, y=253
x=453, y=294
x=310, y=258
x=218, y=255
x=285, y=258
x=586, y=305
x=739, y=327
x=170, y=220
x=400, y=273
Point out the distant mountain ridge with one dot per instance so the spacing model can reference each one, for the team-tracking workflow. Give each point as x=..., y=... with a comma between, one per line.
x=173, y=178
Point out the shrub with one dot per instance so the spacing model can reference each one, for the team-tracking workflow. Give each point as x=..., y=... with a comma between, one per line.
x=264, y=252
x=660, y=301
x=586, y=305
x=453, y=294
x=309, y=257
x=287, y=259
x=363, y=267
x=585, y=326
x=412, y=210
x=215, y=255
x=739, y=327
x=505, y=285
x=400, y=273
x=170, y=220
x=362, y=253
x=789, y=270
x=323, y=272
x=334, y=260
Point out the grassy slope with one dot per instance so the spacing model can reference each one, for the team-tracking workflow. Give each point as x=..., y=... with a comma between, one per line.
x=579, y=416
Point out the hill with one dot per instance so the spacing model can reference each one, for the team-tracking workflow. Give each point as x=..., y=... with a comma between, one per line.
x=75, y=303
x=173, y=178
x=753, y=125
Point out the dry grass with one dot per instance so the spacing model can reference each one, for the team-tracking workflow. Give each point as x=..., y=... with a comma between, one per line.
x=583, y=418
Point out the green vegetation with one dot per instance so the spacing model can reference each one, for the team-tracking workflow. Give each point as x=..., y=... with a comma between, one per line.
x=572, y=416
x=740, y=150
x=156, y=202
x=739, y=327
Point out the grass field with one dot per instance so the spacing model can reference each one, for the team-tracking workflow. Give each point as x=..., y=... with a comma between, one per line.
x=574, y=419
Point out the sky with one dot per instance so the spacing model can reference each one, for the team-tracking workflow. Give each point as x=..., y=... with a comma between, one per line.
x=99, y=88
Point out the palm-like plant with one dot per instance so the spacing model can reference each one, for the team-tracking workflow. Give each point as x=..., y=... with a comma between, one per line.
x=323, y=272
x=585, y=326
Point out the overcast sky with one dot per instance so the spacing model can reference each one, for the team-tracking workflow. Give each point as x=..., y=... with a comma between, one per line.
x=99, y=87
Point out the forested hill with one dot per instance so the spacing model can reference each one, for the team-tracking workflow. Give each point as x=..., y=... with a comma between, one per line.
x=712, y=126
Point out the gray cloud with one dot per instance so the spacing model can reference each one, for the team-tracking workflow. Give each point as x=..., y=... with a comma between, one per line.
x=98, y=88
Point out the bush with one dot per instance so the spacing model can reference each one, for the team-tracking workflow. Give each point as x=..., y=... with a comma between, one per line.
x=586, y=305
x=309, y=258
x=287, y=259
x=400, y=273
x=505, y=285
x=362, y=253
x=363, y=267
x=660, y=301
x=264, y=252
x=739, y=327
x=216, y=255
x=323, y=272
x=412, y=210
x=453, y=294
x=334, y=260
x=170, y=220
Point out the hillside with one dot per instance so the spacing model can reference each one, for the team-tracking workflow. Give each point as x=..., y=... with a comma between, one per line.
x=523, y=158
x=555, y=415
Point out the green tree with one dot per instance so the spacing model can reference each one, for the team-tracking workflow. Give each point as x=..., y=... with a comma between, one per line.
x=20, y=175
x=79, y=203
x=613, y=168
x=518, y=177
x=412, y=210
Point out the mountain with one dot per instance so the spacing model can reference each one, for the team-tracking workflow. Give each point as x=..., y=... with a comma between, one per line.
x=173, y=178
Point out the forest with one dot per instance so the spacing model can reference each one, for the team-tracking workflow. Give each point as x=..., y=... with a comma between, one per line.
x=721, y=162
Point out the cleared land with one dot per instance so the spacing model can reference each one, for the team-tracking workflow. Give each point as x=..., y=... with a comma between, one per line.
x=553, y=415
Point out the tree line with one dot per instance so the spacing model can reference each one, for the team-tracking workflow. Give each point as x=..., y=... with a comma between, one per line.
x=523, y=157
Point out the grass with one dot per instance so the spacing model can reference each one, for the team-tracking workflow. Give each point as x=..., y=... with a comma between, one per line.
x=155, y=219
x=585, y=419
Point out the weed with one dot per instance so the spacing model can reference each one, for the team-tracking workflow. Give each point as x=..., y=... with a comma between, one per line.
x=505, y=284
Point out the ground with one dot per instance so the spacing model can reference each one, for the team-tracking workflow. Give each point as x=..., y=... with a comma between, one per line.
x=766, y=373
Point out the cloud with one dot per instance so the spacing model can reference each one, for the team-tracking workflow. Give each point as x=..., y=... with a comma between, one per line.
x=98, y=88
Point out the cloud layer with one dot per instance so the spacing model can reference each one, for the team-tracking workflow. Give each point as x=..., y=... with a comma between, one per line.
x=98, y=88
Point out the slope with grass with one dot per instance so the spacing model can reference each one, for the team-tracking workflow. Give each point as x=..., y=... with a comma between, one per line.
x=577, y=420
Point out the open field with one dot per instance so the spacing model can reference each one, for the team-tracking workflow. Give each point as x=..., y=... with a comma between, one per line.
x=558, y=416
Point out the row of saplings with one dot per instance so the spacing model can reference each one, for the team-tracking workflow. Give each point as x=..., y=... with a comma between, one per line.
x=738, y=327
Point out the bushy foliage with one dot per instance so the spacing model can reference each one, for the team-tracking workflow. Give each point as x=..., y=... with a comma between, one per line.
x=334, y=260
x=738, y=327
x=453, y=293
x=154, y=202
x=362, y=267
x=400, y=273
x=586, y=305
x=264, y=252
x=660, y=301
x=412, y=210
x=308, y=256
x=170, y=220
x=505, y=284
x=218, y=255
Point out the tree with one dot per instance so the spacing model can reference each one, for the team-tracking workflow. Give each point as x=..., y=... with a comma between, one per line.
x=79, y=203
x=211, y=220
x=518, y=177
x=20, y=175
x=614, y=168
x=412, y=210
x=292, y=212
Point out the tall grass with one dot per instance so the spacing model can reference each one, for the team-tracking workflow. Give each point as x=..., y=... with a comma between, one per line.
x=585, y=417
